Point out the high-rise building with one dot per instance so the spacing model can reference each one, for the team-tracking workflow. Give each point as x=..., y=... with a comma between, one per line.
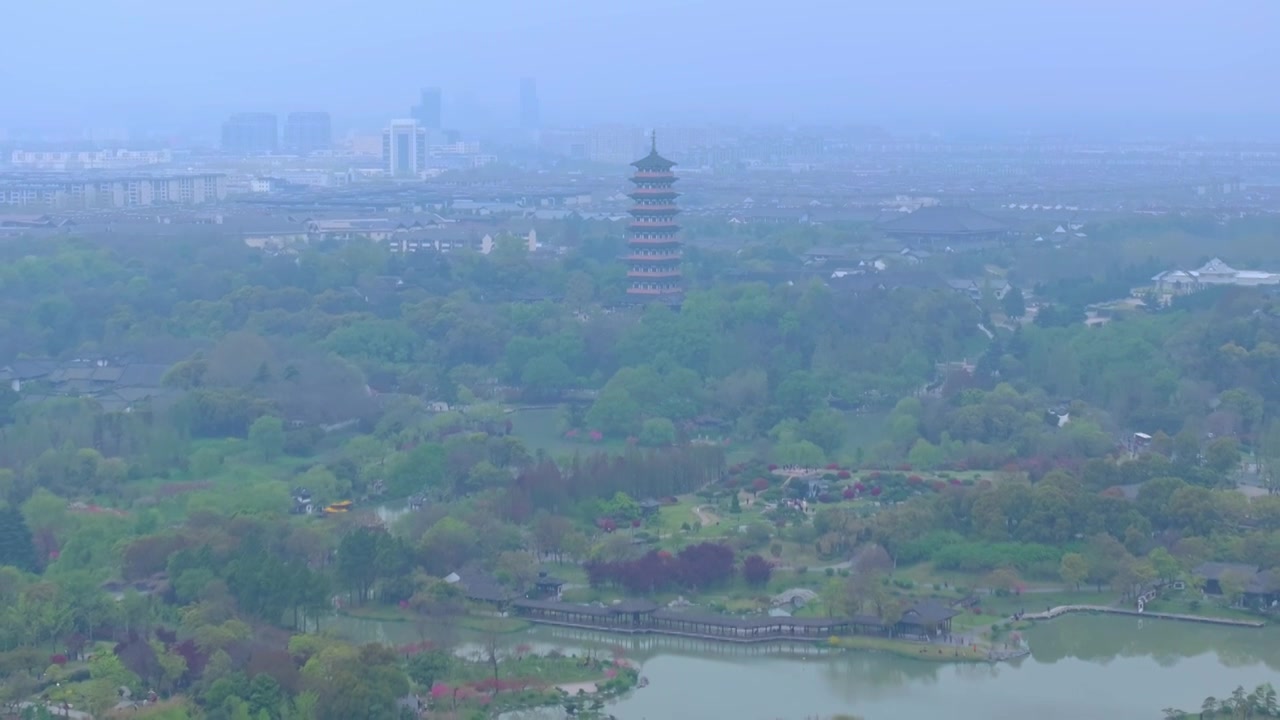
x=529, y=119
x=250, y=133
x=307, y=132
x=404, y=148
x=653, y=237
x=428, y=111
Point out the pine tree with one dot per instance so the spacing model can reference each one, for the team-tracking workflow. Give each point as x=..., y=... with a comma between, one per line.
x=16, y=547
x=734, y=506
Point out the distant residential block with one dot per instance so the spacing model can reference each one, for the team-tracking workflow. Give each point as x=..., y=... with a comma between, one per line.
x=93, y=190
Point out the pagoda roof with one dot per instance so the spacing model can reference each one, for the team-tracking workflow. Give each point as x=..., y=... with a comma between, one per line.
x=653, y=161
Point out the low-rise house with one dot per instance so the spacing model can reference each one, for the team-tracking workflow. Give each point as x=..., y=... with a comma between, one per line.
x=545, y=587
x=1259, y=588
x=975, y=289
x=482, y=587
x=927, y=618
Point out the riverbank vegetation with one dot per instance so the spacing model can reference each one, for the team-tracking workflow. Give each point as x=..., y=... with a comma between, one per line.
x=182, y=422
x=1260, y=703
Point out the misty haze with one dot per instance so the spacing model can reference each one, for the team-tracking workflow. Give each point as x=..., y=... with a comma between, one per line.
x=398, y=360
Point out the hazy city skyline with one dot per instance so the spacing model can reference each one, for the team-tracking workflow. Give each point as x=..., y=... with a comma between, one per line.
x=996, y=64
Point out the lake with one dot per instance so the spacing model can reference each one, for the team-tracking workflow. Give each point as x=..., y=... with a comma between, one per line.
x=1080, y=668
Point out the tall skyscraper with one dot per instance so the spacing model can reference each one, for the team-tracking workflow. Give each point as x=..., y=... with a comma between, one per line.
x=307, y=132
x=404, y=148
x=529, y=119
x=653, y=241
x=428, y=111
x=250, y=133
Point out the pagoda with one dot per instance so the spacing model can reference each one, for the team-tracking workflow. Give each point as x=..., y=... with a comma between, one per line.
x=653, y=242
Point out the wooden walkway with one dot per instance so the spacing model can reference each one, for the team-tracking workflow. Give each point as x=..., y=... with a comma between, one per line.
x=1065, y=609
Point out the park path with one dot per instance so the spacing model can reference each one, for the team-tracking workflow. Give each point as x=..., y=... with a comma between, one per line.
x=58, y=712
x=705, y=516
x=1065, y=609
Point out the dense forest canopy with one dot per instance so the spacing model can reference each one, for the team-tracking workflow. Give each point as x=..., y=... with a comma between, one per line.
x=168, y=403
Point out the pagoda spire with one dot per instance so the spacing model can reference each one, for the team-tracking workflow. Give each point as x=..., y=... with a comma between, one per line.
x=653, y=137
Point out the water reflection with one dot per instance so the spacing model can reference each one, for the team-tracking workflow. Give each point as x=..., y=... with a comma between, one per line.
x=1104, y=638
x=1080, y=667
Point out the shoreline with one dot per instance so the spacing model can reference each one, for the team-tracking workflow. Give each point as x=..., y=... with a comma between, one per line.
x=1103, y=609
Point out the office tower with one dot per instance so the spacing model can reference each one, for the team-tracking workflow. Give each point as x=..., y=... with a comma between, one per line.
x=404, y=148
x=307, y=132
x=428, y=110
x=250, y=133
x=528, y=104
x=653, y=241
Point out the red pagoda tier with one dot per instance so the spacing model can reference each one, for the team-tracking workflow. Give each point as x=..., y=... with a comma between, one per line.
x=653, y=241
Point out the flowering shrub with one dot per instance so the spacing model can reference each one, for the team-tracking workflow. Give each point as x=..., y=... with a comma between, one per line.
x=844, y=475
x=849, y=493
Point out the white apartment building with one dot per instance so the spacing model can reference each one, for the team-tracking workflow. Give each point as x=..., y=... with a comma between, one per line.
x=404, y=149
x=92, y=191
x=87, y=159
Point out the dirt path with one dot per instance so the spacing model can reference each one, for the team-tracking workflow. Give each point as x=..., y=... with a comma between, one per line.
x=705, y=516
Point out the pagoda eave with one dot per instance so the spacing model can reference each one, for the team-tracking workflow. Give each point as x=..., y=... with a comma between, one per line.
x=654, y=291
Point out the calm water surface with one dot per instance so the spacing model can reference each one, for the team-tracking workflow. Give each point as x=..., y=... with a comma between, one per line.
x=1081, y=668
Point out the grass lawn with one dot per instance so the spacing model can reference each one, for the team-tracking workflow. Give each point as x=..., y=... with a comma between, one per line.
x=1038, y=602
x=539, y=428
x=1189, y=603
x=925, y=574
x=536, y=670
x=918, y=651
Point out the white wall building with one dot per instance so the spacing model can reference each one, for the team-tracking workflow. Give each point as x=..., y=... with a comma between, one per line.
x=1211, y=274
x=404, y=149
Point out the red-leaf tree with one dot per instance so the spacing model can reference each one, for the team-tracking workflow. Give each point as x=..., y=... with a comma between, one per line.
x=756, y=571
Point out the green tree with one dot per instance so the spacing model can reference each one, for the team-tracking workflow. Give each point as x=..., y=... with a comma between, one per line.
x=1014, y=304
x=16, y=546
x=266, y=437
x=614, y=413
x=925, y=455
x=803, y=453
x=421, y=469
x=1223, y=455
x=364, y=685
x=426, y=668
x=1165, y=565
x=657, y=432
x=1073, y=569
x=546, y=376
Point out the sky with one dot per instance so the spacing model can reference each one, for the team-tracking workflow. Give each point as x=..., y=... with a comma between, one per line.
x=1124, y=66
